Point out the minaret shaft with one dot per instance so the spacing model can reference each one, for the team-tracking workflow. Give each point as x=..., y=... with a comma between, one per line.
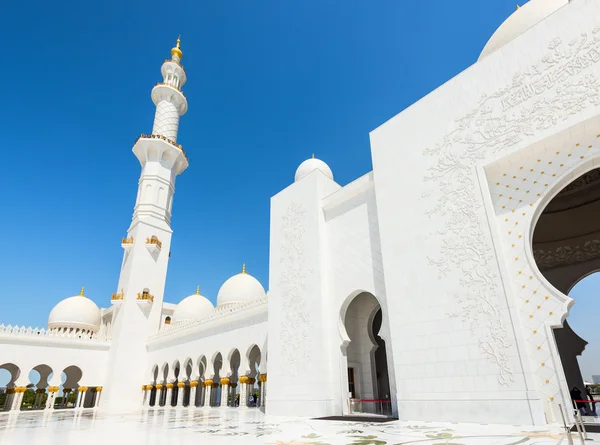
x=147, y=246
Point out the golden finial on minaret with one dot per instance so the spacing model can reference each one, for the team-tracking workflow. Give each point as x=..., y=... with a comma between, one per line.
x=198, y=290
x=81, y=293
x=244, y=268
x=518, y=7
x=176, y=51
x=313, y=155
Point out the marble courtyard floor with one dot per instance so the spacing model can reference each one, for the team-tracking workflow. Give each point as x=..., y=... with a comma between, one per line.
x=248, y=427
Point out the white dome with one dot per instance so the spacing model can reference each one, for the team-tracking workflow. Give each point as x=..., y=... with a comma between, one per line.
x=77, y=312
x=194, y=307
x=240, y=288
x=528, y=15
x=310, y=165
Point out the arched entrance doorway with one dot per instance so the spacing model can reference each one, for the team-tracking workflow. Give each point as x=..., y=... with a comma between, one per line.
x=365, y=370
x=566, y=248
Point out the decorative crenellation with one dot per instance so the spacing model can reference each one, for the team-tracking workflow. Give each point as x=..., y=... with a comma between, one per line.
x=127, y=240
x=118, y=296
x=66, y=333
x=217, y=313
x=164, y=138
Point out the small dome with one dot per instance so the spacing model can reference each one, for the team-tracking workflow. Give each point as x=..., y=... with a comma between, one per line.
x=194, y=307
x=240, y=288
x=525, y=17
x=77, y=312
x=312, y=164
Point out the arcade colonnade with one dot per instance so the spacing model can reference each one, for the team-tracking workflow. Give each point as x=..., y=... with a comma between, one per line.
x=232, y=380
x=47, y=392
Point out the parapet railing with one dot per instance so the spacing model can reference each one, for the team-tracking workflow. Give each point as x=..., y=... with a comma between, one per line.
x=218, y=312
x=164, y=138
x=59, y=333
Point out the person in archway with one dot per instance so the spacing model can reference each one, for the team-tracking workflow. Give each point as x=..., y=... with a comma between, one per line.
x=588, y=391
x=576, y=398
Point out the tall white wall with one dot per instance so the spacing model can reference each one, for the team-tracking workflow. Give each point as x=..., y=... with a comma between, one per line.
x=300, y=381
x=464, y=343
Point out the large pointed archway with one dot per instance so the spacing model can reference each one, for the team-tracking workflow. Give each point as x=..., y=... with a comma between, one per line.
x=365, y=375
x=566, y=248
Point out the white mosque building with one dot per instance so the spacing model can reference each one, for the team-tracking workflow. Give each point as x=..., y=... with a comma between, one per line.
x=435, y=284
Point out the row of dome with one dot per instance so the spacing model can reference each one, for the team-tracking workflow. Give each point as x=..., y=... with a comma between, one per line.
x=81, y=313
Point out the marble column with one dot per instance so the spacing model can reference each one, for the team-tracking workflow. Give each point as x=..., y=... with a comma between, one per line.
x=180, y=393
x=52, y=390
x=224, y=392
x=244, y=380
x=18, y=398
x=99, y=394
x=10, y=392
x=251, y=388
x=208, y=392
x=158, y=397
x=169, y=400
x=82, y=390
x=193, y=387
x=144, y=395
x=263, y=388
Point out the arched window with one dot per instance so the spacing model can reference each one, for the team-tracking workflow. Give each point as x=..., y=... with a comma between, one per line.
x=168, y=320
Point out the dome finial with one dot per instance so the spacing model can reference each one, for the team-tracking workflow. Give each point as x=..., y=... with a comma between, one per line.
x=244, y=268
x=518, y=7
x=198, y=290
x=176, y=52
x=313, y=155
x=82, y=290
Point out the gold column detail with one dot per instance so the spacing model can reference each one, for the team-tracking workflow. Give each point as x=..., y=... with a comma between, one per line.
x=169, y=386
x=181, y=385
x=225, y=381
x=193, y=383
x=244, y=379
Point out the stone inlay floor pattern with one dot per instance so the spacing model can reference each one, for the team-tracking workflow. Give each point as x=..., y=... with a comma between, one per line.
x=216, y=427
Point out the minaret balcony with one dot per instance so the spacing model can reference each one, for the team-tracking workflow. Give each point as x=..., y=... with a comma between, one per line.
x=153, y=244
x=127, y=243
x=117, y=298
x=145, y=297
x=159, y=148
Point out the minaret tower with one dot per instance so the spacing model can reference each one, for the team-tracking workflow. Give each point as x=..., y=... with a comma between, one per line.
x=138, y=302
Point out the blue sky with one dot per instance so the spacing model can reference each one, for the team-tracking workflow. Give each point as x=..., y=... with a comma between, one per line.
x=269, y=83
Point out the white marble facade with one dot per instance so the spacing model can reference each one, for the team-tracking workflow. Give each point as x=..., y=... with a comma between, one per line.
x=415, y=283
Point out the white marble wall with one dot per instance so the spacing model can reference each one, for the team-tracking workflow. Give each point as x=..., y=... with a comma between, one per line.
x=469, y=358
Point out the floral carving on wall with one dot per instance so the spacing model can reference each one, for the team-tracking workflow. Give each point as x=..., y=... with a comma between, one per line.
x=538, y=98
x=296, y=326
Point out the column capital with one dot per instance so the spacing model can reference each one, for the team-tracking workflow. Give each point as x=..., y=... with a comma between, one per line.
x=225, y=381
x=262, y=378
x=244, y=379
x=80, y=389
x=208, y=382
x=169, y=386
x=193, y=383
x=181, y=384
x=159, y=386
